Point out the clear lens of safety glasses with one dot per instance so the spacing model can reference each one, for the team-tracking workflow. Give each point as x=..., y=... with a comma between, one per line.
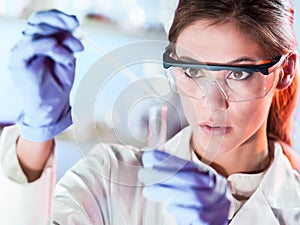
x=238, y=82
x=235, y=85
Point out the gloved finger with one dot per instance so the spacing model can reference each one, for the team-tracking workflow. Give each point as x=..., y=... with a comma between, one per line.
x=192, y=178
x=41, y=29
x=186, y=215
x=65, y=37
x=160, y=159
x=186, y=196
x=63, y=77
x=72, y=43
x=183, y=196
x=26, y=49
x=58, y=76
x=54, y=18
x=205, y=216
x=41, y=85
x=156, y=194
x=148, y=176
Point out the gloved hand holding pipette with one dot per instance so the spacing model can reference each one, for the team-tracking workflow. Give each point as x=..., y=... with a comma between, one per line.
x=43, y=69
x=194, y=196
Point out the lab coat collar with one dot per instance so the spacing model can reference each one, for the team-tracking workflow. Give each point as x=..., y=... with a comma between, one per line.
x=278, y=190
x=255, y=211
x=281, y=183
x=276, y=196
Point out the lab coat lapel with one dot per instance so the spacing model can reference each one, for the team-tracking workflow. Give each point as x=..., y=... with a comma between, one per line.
x=277, y=196
x=281, y=183
x=255, y=211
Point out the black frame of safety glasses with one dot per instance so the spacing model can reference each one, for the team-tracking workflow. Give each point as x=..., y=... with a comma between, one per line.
x=168, y=62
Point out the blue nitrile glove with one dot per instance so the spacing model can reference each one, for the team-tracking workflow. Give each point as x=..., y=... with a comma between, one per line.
x=194, y=196
x=42, y=64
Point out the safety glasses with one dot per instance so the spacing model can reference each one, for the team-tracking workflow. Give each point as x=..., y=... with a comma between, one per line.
x=241, y=82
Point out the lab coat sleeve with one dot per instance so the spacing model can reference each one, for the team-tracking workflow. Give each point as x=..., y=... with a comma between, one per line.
x=23, y=203
x=77, y=201
x=81, y=196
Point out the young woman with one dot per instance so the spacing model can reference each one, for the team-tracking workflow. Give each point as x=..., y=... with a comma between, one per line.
x=232, y=62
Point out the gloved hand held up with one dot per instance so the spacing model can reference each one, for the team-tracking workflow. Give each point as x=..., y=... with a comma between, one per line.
x=194, y=196
x=42, y=65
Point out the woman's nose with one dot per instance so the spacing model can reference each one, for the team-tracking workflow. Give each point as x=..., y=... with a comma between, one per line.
x=215, y=97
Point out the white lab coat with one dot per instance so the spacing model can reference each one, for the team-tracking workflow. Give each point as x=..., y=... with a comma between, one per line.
x=103, y=189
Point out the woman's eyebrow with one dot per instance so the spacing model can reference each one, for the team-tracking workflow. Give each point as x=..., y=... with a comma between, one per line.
x=243, y=59
x=236, y=61
x=188, y=59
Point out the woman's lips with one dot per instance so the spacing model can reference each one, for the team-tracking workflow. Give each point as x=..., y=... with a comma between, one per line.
x=215, y=130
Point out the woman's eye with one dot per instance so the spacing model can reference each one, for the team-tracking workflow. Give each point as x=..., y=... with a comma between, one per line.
x=193, y=72
x=239, y=75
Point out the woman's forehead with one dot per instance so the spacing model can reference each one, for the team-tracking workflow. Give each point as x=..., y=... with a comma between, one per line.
x=214, y=42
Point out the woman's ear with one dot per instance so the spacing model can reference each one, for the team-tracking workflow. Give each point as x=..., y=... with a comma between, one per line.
x=288, y=72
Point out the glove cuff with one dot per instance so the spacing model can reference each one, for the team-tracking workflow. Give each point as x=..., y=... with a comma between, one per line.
x=44, y=133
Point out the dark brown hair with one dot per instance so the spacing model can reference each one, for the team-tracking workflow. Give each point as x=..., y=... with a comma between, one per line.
x=269, y=23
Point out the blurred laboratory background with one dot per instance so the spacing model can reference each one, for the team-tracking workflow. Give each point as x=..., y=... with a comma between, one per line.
x=108, y=24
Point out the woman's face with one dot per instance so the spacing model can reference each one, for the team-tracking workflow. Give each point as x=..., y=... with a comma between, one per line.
x=218, y=124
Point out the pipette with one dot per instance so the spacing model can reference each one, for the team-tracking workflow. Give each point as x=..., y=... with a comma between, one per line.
x=82, y=35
